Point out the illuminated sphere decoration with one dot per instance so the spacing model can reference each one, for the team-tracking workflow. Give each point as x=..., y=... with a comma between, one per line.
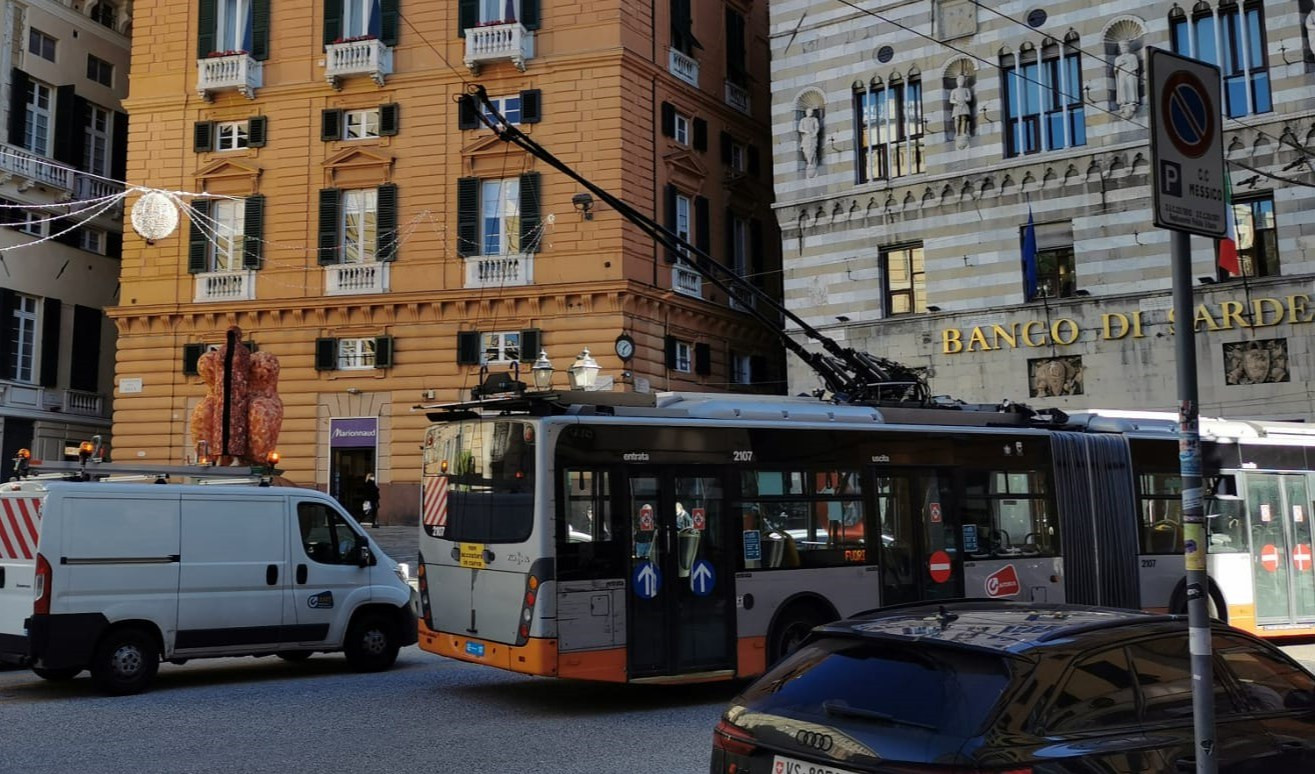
x=154, y=216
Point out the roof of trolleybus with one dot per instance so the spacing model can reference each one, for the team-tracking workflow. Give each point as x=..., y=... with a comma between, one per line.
x=1163, y=423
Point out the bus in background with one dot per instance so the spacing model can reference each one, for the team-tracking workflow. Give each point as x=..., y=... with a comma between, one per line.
x=684, y=537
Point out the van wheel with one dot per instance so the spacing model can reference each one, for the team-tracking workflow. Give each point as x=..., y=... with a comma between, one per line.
x=57, y=675
x=125, y=662
x=789, y=631
x=295, y=655
x=371, y=644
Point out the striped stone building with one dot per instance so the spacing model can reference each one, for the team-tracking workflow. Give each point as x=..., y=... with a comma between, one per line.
x=944, y=126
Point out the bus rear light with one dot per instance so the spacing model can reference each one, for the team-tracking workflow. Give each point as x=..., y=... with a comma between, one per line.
x=422, y=588
x=733, y=739
x=529, y=599
x=42, y=587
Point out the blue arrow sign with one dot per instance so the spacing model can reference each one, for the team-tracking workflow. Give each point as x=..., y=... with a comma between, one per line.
x=646, y=580
x=702, y=579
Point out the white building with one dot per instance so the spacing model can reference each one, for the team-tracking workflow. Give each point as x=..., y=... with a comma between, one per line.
x=904, y=236
x=64, y=143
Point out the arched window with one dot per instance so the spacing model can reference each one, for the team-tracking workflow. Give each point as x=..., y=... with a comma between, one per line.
x=1043, y=100
x=888, y=120
x=104, y=13
x=1233, y=37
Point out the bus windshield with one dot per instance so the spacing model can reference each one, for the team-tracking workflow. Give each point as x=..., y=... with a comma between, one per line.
x=489, y=466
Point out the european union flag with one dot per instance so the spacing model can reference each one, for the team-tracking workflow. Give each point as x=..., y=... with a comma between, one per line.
x=1029, y=258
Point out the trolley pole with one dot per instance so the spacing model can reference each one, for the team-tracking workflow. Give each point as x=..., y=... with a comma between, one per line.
x=1195, y=540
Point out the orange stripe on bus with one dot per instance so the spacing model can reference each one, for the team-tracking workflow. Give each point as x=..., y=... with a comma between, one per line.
x=536, y=657
x=751, y=656
x=606, y=665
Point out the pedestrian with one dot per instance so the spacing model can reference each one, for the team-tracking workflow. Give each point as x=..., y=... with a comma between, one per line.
x=370, y=494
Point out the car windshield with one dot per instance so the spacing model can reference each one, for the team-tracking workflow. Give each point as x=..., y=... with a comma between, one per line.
x=856, y=684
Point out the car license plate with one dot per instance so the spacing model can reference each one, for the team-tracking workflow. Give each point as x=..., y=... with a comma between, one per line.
x=784, y=765
x=475, y=649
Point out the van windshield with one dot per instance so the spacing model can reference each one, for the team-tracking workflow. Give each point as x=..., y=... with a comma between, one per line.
x=489, y=465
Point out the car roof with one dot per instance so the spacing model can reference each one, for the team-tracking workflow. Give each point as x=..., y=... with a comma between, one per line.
x=1003, y=627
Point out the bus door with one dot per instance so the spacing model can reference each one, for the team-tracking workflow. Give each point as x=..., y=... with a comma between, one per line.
x=920, y=553
x=1278, y=507
x=680, y=606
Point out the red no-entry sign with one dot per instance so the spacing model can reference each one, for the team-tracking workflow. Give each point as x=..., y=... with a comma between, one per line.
x=1301, y=557
x=939, y=566
x=1269, y=557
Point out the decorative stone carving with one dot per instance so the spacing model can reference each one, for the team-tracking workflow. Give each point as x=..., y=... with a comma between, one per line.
x=961, y=110
x=1127, y=79
x=1261, y=361
x=1052, y=377
x=810, y=134
x=956, y=19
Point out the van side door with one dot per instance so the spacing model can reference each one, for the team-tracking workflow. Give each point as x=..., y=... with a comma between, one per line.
x=328, y=581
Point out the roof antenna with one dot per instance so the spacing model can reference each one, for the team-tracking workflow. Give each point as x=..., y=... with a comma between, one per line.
x=945, y=617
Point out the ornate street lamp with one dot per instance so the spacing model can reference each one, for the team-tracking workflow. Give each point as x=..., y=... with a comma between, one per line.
x=584, y=371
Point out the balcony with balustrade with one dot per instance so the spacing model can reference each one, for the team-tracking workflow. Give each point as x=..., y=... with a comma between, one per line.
x=363, y=57
x=686, y=280
x=683, y=66
x=737, y=97
x=500, y=271
x=32, y=169
x=225, y=286
x=238, y=72
x=354, y=279
x=18, y=396
x=507, y=41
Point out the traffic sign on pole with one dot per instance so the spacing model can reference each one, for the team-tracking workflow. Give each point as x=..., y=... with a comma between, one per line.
x=1187, y=145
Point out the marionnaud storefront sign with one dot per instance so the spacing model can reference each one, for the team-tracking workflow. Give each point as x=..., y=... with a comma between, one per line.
x=355, y=432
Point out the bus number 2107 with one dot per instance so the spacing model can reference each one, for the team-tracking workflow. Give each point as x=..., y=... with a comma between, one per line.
x=738, y=455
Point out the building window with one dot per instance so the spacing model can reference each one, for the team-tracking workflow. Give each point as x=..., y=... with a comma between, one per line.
x=23, y=339
x=228, y=224
x=37, y=120
x=741, y=369
x=355, y=354
x=22, y=217
x=905, y=280
x=104, y=14
x=359, y=222
x=682, y=28
x=499, y=11
x=1043, y=99
x=357, y=20
x=232, y=23
x=500, y=226
x=230, y=135
x=890, y=126
x=683, y=359
x=501, y=347
x=1257, y=237
x=681, y=130
x=92, y=240
x=739, y=155
x=1055, y=269
x=1233, y=37
x=96, y=151
x=683, y=221
x=41, y=44
x=99, y=70
x=360, y=124
x=509, y=107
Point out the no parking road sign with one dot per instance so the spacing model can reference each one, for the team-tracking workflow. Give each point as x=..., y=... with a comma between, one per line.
x=1187, y=145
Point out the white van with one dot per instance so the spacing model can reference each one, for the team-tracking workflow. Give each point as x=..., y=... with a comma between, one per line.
x=114, y=577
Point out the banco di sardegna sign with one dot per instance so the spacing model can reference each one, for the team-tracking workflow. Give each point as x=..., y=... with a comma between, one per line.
x=1064, y=331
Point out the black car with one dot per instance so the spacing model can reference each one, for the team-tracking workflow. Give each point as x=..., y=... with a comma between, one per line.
x=1017, y=688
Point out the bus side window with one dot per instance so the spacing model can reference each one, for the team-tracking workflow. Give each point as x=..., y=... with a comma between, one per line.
x=588, y=506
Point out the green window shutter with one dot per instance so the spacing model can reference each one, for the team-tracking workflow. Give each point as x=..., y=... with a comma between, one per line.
x=702, y=225
x=531, y=106
x=388, y=119
x=389, y=14
x=203, y=136
x=256, y=131
x=466, y=116
x=669, y=197
x=468, y=216
x=253, y=232
x=329, y=203
x=206, y=22
x=50, y=316
x=467, y=16
x=530, y=344
x=260, y=30
x=84, y=368
x=332, y=21
x=468, y=348
x=197, y=243
x=385, y=248
x=728, y=228
x=726, y=148
x=700, y=134
x=330, y=125
x=18, y=84
x=753, y=160
x=756, y=257
x=530, y=212
x=530, y=14
x=326, y=354
x=191, y=355
x=383, y=352
x=8, y=300
x=757, y=369
x=668, y=120
x=702, y=359
x=671, y=353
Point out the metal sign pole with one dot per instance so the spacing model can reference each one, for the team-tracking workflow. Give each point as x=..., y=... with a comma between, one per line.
x=1195, y=541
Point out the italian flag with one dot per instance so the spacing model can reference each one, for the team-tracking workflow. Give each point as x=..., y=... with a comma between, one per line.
x=1228, y=245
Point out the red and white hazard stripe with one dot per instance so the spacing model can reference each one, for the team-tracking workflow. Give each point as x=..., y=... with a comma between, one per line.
x=20, y=521
x=435, y=511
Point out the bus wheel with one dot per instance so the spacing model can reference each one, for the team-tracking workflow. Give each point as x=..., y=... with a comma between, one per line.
x=57, y=675
x=1214, y=601
x=125, y=661
x=789, y=630
x=371, y=644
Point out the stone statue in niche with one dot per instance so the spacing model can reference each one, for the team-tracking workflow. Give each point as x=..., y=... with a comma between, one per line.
x=810, y=134
x=1127, y=79
x=961, y=110
x=1310, y=31
x=1055, y=377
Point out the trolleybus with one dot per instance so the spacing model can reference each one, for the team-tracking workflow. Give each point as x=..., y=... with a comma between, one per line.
x=684, y=537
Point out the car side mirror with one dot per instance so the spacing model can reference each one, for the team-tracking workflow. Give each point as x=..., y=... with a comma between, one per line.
x=363, y=556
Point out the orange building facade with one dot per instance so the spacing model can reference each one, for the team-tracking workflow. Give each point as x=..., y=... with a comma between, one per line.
x=354, y=218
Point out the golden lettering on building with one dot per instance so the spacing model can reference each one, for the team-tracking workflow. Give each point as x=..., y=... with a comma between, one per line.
x=1116, y=326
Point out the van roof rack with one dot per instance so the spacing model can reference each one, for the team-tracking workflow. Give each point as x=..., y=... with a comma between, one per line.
x=27, y=469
